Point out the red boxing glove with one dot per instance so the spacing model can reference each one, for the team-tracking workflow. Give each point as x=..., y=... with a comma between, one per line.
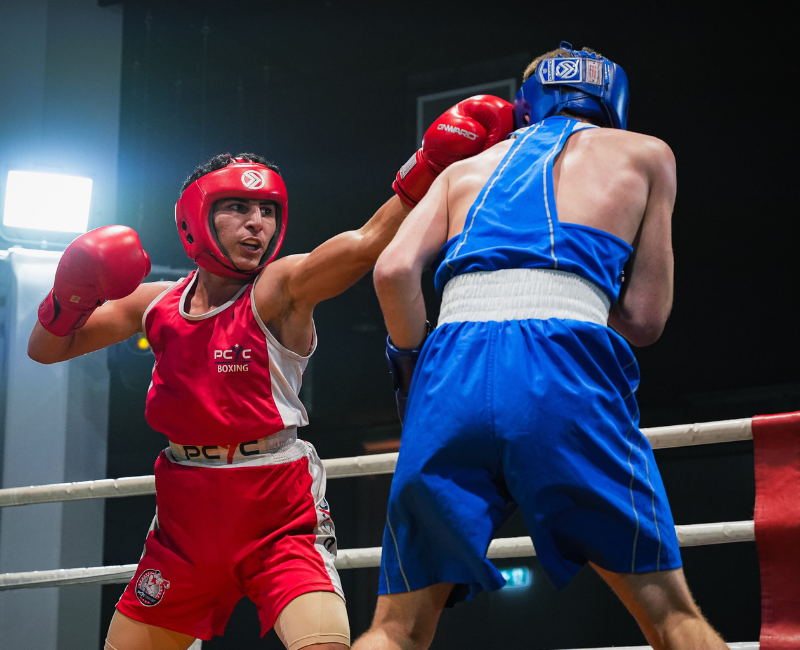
x=466, y=129
x=107, y=263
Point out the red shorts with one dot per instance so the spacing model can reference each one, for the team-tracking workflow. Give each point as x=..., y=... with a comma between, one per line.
x=261, y=529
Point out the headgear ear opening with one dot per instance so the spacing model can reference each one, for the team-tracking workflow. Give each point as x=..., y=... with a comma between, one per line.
x=194, y=218
x=582, y=83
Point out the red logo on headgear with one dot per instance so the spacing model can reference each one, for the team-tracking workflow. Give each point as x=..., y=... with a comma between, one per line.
x=252, y=180
x=594, y=72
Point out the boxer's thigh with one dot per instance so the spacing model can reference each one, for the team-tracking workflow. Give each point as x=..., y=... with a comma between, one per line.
x=652, y=597
x=125, y=633
x=408, y=619
x=313, y=618
x=289, y=548
x=182, y=582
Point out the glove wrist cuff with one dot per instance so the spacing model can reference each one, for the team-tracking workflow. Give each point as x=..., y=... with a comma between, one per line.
x=391, y=347
x=414, y=180
x=57, y=320
x=401, y=366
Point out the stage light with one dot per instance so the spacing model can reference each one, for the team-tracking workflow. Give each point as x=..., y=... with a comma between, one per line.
x=51, y=202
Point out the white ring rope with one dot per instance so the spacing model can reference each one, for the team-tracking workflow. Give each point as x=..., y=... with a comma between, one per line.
x=510, y=547
x=130, y=486
x=660, y=438
x=359, y=558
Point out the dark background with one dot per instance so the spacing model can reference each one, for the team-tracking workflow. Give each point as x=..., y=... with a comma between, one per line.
x=328, y=90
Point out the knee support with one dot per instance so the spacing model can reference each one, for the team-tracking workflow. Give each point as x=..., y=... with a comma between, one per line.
x=315, y=617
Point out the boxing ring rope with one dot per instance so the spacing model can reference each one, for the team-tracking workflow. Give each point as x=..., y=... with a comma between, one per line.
x=659, y=437
x=512, y=547
x=361, y=558
x=681, y=435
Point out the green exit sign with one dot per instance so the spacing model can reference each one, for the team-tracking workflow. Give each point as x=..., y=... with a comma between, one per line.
x=516, y=577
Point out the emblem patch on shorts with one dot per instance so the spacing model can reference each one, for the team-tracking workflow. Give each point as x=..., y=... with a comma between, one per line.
x=150, y=587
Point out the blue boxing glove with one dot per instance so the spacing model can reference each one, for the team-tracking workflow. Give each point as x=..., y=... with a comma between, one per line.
x=401, y=365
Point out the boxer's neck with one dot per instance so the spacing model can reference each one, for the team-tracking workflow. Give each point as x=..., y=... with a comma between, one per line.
x=212, y=291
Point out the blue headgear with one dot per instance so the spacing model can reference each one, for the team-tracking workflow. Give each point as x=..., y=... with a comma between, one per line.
x=585, y=84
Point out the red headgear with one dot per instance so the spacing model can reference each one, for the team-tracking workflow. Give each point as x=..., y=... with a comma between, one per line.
x=195, y=220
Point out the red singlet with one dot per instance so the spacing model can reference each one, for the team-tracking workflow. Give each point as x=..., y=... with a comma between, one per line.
x=253, y=522
x=220, y=378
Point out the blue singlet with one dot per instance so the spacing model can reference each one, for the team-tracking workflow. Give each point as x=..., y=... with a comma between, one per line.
x=535, y=413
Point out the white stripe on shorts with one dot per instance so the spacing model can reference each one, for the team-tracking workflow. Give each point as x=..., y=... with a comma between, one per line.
x=325, y=532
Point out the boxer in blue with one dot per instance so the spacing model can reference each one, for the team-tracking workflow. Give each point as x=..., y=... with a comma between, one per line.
x=524, y=394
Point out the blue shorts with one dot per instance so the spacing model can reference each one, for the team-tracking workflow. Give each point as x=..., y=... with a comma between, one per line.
x=539, y=413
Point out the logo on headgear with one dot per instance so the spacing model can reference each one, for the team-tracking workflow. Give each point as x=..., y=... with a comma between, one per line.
x=567, y=69
x=594, y=72
x=150, y=587
x=252, y=180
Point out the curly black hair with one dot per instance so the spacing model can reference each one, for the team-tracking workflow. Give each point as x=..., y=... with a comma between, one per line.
x=223, y=160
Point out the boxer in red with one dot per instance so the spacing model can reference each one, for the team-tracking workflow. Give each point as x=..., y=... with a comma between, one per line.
x=241, y=507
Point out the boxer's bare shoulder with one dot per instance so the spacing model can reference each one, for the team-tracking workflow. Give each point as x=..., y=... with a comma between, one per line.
x=604, y=178
x=465, y=179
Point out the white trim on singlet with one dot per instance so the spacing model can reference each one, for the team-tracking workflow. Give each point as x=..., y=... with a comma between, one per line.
x=583, y=125
x=153, y=304
x=286, y=370
x=208, y=314
x=546, y=202
x=489, y=188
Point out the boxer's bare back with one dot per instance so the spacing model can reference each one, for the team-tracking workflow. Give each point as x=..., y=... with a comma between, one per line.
x=615, y=181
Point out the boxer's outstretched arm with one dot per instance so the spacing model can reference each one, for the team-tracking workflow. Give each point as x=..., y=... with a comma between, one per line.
x=303, y=281
x=111, y=323
x=399, y=269
x=466, y=129
x=645, y=301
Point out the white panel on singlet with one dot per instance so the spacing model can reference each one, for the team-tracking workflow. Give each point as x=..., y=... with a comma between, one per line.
x=286, y=370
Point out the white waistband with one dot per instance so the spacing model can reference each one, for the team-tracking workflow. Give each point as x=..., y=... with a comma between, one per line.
x=520, y=294
x=276, y=449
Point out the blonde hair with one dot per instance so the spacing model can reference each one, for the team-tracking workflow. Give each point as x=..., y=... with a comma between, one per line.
x=549, y=55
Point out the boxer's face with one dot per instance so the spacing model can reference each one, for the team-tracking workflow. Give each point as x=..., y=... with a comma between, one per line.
x=244, y=229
